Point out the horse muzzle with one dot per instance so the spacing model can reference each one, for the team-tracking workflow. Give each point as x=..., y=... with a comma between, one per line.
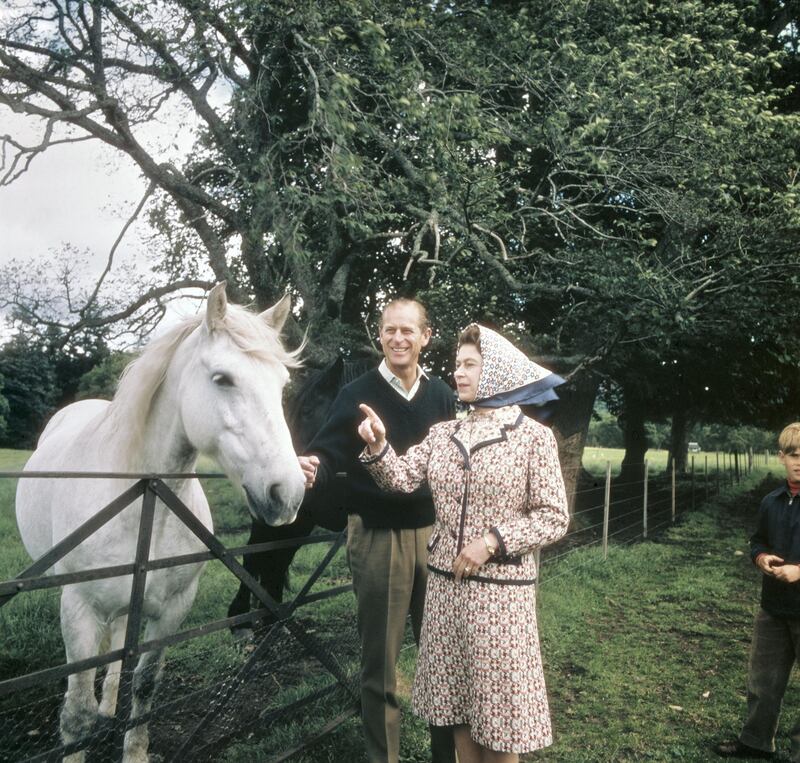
x=278, y=505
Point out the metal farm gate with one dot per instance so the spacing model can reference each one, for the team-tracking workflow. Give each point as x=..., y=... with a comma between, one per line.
x=295, y=673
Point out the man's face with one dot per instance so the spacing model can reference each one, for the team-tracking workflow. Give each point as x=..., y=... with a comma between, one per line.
x=402, y=338
x=791, y=462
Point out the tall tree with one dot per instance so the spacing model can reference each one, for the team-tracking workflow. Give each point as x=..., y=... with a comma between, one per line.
x=614, y=176
x=4, y=408
x=30, y=389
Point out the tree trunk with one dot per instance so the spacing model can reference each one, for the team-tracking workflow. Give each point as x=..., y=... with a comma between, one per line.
x=678, y=444
x=571, y=425
x=635, y=437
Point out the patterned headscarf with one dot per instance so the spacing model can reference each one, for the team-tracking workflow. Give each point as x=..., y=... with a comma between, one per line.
x=510, y=378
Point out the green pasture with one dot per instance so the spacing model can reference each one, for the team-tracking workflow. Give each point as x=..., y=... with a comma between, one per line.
x=645, y=652
x=30, y=623
x=596, y=459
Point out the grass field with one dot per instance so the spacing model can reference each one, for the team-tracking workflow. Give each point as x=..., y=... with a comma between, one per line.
x=645, y=653
x=595, y=460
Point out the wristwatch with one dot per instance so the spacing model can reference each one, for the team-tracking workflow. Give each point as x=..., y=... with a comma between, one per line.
x=492, y=549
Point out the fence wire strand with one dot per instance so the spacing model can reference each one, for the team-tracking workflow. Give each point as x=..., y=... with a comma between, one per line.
x=216, y=689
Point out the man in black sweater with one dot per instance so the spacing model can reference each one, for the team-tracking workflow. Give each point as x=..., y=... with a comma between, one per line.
x=775, y=550
x=387, y=533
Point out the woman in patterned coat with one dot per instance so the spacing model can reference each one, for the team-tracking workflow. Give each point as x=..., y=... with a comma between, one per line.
x=499, y=495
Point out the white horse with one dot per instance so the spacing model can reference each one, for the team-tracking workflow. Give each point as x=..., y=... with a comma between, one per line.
x=211, y=385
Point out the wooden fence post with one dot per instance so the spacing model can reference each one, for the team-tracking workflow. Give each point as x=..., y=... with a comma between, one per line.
x=673, y=489
x=692, y=483
x=606, y=509
x=644, y=502
x=705, y=479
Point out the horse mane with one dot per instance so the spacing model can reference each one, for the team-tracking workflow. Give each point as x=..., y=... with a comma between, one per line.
x=142, y=378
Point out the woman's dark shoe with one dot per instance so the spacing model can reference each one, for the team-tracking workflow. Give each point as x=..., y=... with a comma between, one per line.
x=737, y=749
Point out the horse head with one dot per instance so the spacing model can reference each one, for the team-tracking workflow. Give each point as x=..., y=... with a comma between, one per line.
x=230, y=392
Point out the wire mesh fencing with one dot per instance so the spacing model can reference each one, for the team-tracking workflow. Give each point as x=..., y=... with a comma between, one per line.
x=298, y=670
x=609, y=509
x=297, y=677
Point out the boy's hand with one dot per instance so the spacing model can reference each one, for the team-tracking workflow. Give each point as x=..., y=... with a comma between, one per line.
x=788, y=573
x=769, y=564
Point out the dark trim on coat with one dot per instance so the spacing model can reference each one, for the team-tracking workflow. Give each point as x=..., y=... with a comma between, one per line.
x=482, y=578
x=501, y=544
x=465, y=454
x=371, y=459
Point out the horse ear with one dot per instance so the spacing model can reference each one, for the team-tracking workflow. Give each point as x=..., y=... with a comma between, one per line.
x=216, y=306
x=276, y=315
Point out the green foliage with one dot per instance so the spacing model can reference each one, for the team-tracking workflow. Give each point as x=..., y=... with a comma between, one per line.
x=734, y=438
x=612, y=183
x=658, y=434
x=101, y=381
x=30, y=389
x=4, y=408
x=41, y=374
x=604, y=432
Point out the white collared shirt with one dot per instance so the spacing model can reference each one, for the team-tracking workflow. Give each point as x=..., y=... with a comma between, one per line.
x=386, y=373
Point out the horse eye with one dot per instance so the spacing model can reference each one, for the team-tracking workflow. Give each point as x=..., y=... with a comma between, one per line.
x=222, y=380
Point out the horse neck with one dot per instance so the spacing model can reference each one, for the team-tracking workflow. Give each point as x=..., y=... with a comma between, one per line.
x=162, y=445
x=165, y=447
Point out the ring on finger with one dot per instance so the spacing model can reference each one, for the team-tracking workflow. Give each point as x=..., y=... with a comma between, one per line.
x=467, y=570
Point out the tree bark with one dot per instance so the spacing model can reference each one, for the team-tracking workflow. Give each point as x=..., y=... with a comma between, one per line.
x=571, y=425
x=678, y=446
x=634, y=437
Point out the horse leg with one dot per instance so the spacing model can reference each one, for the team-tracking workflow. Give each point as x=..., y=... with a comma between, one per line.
x=148, y=672
x=274, y=569
x=82, y=631
x=108, y=703
x=145, y=679
x=259, y=533
x=270, y=568
x=274, y=574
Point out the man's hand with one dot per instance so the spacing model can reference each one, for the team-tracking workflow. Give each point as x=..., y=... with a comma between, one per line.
x=372, y=431
x=788, y=573
x=309, y=465
x=769, y=564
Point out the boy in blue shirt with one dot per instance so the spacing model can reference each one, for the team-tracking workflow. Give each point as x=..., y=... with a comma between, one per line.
x=775, y=550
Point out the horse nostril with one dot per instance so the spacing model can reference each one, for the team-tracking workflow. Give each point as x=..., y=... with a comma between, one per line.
x=275, y=493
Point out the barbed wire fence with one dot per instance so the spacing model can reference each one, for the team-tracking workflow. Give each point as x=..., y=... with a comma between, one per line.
x=638, y=509
x=274, y=696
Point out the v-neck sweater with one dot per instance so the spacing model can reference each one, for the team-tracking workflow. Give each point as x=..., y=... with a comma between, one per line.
x=778, y=532
x=407, y=422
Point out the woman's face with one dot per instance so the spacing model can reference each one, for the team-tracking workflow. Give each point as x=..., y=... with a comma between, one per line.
x=468, y=370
